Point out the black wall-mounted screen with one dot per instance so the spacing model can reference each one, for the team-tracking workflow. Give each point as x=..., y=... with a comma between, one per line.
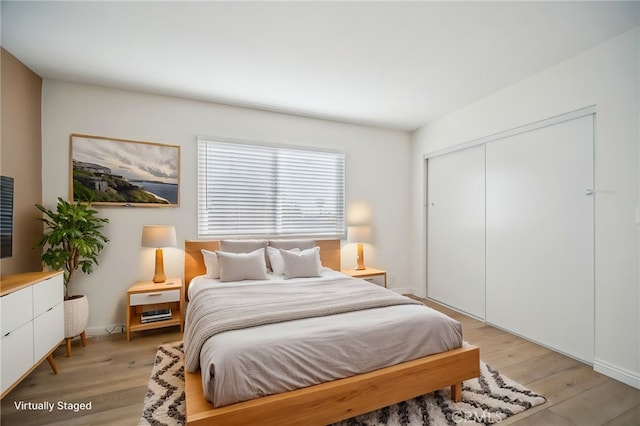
x=6, y=216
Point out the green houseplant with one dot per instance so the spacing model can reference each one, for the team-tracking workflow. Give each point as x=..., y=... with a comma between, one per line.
x=72, y=240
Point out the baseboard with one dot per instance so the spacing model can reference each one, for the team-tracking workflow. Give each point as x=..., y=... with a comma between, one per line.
x=621, y=374
x=105, y=330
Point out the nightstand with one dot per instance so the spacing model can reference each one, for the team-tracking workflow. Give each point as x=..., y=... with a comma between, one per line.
x=367, y=273
x=146, y=296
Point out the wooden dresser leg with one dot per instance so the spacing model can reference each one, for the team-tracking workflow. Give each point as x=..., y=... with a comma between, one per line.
x=83, y=336
x=456, y=392
x=68, y=342
x=52, y=363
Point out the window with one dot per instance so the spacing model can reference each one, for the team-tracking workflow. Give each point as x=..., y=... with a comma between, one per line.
x=259, y=190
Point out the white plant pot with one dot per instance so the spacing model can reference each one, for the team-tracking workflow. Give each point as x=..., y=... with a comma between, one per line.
x=76, y=315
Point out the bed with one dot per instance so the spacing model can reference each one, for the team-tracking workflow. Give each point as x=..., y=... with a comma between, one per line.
x=329, y=401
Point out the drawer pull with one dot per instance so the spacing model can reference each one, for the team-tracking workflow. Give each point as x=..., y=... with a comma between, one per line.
x=7, y=334
x=155, y=294
x=50, y=309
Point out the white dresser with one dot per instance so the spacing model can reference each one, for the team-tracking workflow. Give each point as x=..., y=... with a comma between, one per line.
x=32, y=323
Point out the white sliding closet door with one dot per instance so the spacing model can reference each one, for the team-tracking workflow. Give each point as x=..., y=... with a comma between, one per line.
x=455, y=226
x=540, y=236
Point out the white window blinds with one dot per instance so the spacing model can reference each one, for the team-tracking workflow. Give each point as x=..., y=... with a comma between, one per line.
x=260, y=190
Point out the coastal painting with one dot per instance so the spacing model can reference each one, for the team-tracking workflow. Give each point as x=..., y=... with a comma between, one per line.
x=123, y=172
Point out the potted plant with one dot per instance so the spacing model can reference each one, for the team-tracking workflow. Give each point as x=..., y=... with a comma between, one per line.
x=72, y=241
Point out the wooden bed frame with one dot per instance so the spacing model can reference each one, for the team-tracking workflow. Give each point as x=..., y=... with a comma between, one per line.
x=336, y=400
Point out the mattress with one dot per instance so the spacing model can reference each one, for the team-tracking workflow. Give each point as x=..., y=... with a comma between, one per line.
x=249, y=363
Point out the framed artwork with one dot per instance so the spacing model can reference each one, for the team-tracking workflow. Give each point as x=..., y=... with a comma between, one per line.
x=122, y=172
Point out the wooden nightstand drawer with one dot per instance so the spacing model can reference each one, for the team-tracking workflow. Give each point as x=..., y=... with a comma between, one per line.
x=154, y=297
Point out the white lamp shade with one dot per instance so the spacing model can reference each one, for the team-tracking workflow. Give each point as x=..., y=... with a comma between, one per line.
x=158, y=236
x=359, y=234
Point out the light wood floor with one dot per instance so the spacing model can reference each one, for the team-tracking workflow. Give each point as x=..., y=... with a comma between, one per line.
x=576, y=395
x=112, y=374
x=109, y=372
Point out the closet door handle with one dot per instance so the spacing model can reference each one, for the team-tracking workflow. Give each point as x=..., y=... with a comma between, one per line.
x=589, y=191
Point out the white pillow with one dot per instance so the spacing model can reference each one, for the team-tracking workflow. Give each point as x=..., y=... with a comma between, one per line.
x=244, y=246
x=242, y=266
x=275, y=258
x=211, y=264
x=289, y=244
x=301, y=265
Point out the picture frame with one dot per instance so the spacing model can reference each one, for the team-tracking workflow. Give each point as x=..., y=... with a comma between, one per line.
x=123, y=172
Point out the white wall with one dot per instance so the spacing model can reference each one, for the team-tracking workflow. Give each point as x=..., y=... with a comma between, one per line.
x=376, y=176
x=606, y=76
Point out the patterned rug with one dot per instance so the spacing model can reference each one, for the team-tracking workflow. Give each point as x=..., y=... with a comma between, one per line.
x=489, y=399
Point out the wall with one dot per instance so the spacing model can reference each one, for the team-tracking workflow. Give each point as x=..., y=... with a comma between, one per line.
x=20, y=158
x=607, y=77
x=376, y=176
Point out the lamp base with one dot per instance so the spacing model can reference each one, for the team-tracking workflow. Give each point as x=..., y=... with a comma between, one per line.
x=159, y=277
x=360, y=266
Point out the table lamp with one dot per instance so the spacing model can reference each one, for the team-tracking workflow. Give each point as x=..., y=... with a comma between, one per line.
x=158, y=236
x=359, y=234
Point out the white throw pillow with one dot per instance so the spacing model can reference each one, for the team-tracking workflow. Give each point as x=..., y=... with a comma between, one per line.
x=275, y=258
x=242, y=266
x=244, y=246
x=211, y=264
x=301, y=265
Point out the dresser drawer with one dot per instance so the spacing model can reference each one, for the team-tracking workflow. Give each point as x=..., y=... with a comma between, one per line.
x=47, y=293
x=17, y=354
x=48, y=331
x=154, y=297
x=17, y=309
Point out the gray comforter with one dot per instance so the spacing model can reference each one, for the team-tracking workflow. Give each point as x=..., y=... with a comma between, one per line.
x=227, y=308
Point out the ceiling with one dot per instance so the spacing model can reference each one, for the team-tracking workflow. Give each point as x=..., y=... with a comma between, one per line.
x=389, y=64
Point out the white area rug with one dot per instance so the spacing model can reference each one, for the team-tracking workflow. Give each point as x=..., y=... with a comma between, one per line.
x=489, y=399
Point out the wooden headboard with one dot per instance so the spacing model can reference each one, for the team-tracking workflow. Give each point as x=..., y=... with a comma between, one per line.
x=194, y=263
